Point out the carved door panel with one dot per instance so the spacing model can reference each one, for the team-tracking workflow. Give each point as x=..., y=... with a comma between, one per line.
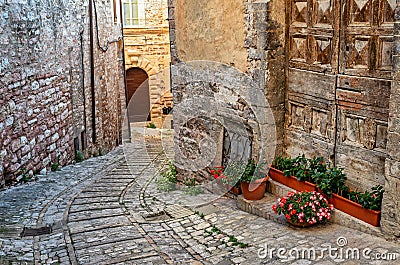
x=363, y=89
x=339, y=81
x=367, y=38
x=313, y=46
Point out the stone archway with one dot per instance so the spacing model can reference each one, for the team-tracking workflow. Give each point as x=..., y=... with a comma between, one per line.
x=158, y=83
x=140, y=62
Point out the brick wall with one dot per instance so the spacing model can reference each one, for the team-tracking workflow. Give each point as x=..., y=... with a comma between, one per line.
x=45, y=84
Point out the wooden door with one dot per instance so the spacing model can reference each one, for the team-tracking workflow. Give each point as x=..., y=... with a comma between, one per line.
x=313, y=45
x=138, y=97
x=339, y=78
x=363, y=89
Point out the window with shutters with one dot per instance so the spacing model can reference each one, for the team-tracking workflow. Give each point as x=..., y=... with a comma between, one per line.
x=134, y=13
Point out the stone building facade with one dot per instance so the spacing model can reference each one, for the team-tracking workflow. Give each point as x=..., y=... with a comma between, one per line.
x=330, y=84
x=226, y=49
x=61, y=83
x=147, y=48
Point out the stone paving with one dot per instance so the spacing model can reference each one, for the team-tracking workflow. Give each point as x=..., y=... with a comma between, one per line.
x=106, y=210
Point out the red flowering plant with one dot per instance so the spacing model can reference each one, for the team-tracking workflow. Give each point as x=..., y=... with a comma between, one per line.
x=304, y=208
x=225, y=176
x=218, y=172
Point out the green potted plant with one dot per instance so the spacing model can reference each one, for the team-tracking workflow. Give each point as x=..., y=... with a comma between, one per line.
x=365, y=206
x=331, y=181
x=294, y=173
x=252, y=180
x=362, y=205
x=304, y=209
x=371, y=200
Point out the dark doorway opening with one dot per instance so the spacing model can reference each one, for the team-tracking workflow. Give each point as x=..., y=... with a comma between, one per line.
x=138, y=95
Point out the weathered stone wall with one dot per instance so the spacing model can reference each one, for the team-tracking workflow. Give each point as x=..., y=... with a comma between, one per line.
x=246, y=35
x=212, y=98
x=156, y=13
x=211, y=30
x=391, y=201
x=265, y=44
x=109, y=94
x=147, y=47
x=45, y=84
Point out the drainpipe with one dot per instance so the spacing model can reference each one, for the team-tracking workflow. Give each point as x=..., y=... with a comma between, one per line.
x=124, y=70
x=92, y=85
x=83, y=134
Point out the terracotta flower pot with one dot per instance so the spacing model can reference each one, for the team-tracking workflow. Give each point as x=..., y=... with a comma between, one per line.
x=291, y=181
x=354, y=209
x=235, y=190
x=297, y=224
x=254, y=190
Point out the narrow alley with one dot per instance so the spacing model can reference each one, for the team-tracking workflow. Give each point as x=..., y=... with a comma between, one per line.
x=103, y=211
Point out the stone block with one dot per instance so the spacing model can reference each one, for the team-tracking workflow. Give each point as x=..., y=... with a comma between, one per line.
x=9, y=121
x=393, y=140
x=55, y=137
x=15, y=145
x=390, y=221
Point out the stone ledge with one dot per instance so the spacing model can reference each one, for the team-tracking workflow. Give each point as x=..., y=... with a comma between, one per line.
x=263, y=208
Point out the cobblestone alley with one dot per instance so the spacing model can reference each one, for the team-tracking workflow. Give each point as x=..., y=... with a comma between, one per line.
x=104, y=211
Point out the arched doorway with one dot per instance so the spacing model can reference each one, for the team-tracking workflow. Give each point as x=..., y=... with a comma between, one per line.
x=138, y=97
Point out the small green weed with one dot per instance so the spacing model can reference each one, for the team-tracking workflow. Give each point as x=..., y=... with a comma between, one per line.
x=167, y=180
x=54, y=167
x=171, y=172
x=199, y=214
x=243, y=245
x=25, y=176
x=235, y=242
x=232, y=239
x=191, y=188
x=214, y=229
x=151, y=125
x=79, y=157
x=164, y=184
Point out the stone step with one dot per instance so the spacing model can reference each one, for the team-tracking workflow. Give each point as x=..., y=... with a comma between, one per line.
x=263, y=208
